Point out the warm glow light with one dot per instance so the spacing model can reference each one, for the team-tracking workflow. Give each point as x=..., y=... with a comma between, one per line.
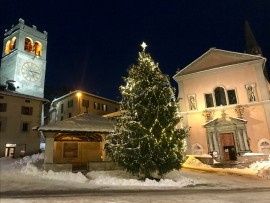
x=10, y=145
x=79, y=94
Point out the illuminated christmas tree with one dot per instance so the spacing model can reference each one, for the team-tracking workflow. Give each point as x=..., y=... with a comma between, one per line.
x=145, y=139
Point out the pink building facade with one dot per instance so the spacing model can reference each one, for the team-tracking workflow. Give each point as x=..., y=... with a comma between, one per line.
x=224, y=98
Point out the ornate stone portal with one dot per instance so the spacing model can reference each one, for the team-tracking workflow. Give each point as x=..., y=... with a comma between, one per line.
x=228, y=137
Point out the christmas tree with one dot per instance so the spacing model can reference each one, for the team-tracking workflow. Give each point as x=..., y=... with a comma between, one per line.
x=145, y=139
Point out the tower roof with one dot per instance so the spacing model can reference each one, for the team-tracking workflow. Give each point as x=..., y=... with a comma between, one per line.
x=252, y=46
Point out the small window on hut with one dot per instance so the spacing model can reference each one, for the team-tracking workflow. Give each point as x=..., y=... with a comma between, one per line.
x=70, y=150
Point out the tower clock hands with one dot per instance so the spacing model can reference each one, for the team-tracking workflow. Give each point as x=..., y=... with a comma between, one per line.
x=31, y=71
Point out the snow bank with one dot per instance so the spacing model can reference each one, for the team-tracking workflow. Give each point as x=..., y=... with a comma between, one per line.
x=108, y=178
x=30, y=159
x=32, y=170
x=31, y=166
x=122, y=178
x=262, y=168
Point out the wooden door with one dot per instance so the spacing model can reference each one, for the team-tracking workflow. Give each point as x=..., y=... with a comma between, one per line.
x=227, y=144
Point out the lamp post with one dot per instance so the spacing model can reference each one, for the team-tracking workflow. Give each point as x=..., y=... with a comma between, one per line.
x=79, y=105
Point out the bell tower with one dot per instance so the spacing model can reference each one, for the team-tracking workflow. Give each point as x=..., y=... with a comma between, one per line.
x=252, y=46
x=23, y=63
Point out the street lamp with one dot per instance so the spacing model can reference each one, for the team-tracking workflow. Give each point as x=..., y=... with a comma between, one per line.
x=79, y=96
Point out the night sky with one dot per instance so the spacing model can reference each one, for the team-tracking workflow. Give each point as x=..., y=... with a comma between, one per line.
x=92, y=43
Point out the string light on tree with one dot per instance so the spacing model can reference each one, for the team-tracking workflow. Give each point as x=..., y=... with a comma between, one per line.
x=145, y=140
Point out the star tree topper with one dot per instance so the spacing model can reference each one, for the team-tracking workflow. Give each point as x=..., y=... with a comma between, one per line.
x=143, y=45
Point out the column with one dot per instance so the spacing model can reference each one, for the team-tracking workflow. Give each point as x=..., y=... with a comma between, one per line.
x=48, y=159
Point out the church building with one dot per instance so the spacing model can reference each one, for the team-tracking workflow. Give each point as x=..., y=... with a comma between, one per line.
x=224, y=99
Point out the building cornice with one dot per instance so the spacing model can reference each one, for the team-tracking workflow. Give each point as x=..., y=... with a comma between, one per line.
x=16, y=94
x=84, y=93
x=218, y=69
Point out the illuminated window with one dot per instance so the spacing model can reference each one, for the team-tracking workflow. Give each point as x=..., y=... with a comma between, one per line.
x=12, y=43
x=96, y=105
x=38, y=48
x=10, y=150
x=7, y=49
x=104, y=107
x=26, y=110
x=28, y=44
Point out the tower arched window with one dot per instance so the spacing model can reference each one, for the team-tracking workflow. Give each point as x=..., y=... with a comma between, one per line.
x=38, y=48
x=28, y=44
x=13, y=43
x=220, y=96
x=7, y=48
x=10, y=45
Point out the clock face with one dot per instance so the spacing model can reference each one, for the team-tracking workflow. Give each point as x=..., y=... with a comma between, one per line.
x=31, y=71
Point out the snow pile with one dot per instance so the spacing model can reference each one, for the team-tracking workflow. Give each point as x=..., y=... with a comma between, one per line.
x=192, y=161
x=108, y=178
x=32, y=170
x=30, y=159
x=31, y=166
x=262, y=168
x=122, y=178
x=252, y=154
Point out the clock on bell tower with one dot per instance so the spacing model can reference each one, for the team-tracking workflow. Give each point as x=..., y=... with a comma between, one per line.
x=24, y=59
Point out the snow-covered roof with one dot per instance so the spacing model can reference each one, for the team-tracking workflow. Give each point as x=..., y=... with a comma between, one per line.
x=113, y=114
x=81, y=123
x=85, y=93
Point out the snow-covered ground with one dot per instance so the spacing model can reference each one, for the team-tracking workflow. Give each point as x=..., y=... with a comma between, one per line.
x=32, y=166
x=26, y=174
x=259, y=168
